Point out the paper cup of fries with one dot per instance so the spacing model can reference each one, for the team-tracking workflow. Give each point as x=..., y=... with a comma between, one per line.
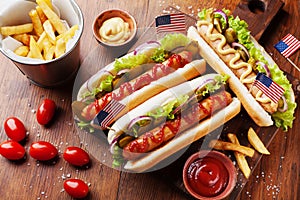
x=42, y=38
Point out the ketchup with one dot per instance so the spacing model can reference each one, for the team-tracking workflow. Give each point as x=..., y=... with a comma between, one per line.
x=207, y=176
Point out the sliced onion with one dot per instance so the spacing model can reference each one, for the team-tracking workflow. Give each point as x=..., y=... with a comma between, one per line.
x=224, y=17
x=138, y=119
x=204, y=83
x=112, y=147
x=115, y=139
x=285, y=105
x=145, y=46
x=236, y=44
x=266, y=68
x=114, y=143
x=96, y=76
x=123, y=71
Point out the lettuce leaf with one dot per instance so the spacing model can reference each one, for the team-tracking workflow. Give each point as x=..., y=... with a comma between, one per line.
x=130, y=62
x=283, y=119
x=219, y=81
x=166, y=110
x=168, y=43
x=173, y=40
x=159, y=55
x=106, y=85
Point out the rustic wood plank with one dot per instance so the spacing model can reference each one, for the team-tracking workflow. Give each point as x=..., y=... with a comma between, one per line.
x=276, y=176
x=258, y=14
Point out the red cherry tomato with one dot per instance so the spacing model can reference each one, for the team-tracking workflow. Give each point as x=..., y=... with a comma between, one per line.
x=46, y=111
x=12, y=150
x=42, y=150
x=76, y=188
x=14, y=129
x=76, y=156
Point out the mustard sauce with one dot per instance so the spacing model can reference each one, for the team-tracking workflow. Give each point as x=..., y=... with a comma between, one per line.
x=232, y=64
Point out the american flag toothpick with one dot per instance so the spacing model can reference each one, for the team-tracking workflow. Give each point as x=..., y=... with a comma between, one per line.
x=105, y=116
x=287, y=46
x=268, y=87
x=171, y=23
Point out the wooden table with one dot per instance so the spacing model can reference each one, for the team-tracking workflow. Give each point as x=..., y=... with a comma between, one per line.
x=276, y=176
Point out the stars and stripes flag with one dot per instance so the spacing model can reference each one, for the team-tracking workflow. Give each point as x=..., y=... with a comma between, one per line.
x=268, y=87
x=105, y=116
x=288, y=45
x=171, y=23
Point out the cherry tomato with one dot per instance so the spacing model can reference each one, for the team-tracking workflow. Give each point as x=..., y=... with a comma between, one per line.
x=14, y=129
x=76, y=156
x=12, y=150
x=46, y=111
x=76, y=188
x=42, y=150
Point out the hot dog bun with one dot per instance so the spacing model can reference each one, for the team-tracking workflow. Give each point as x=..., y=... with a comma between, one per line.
x=227, y=45
x=183, y=139
x=254, y=109
x=189, y=71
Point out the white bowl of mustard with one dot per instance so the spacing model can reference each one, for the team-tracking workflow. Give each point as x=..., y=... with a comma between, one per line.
x=114, y=28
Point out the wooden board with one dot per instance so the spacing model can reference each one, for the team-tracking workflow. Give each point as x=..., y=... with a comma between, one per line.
x=172, y=173
x=258, y=14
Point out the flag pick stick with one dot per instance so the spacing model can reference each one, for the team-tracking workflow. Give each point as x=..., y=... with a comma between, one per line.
x=290, y=61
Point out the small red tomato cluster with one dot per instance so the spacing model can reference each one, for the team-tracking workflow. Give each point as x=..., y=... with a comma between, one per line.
x=43, y=150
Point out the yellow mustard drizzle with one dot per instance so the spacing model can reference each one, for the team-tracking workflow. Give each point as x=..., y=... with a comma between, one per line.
x=232, y=63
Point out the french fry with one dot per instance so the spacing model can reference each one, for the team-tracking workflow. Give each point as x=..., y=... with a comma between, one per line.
x=49, y=53
x=22, y=51
x=68, y=34
x=221, y=145
x=29, y=55
x=40, y=41
x=48, y=49
x=240, y=158
x=52, y=17
x=49, y=3
x=256, y=142
x=60, y=48
x=49, y=31
x=41, y=14
x=24, y=38
x=34, y=49
x=18, y=29
x=36, y=21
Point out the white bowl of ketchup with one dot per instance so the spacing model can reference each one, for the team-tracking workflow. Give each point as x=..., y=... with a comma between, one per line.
x=209, y=175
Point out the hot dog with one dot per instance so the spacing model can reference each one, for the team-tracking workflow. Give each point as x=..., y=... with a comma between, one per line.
x=131, y=84
x=226, y=44
x=171, y=120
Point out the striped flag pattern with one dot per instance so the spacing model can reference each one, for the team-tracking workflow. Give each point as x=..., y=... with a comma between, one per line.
x=268, y=87
x=171, y=23
x=111, y=110
x=288, y=45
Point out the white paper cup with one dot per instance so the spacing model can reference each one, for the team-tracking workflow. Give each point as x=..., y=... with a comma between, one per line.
x=57, y=71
